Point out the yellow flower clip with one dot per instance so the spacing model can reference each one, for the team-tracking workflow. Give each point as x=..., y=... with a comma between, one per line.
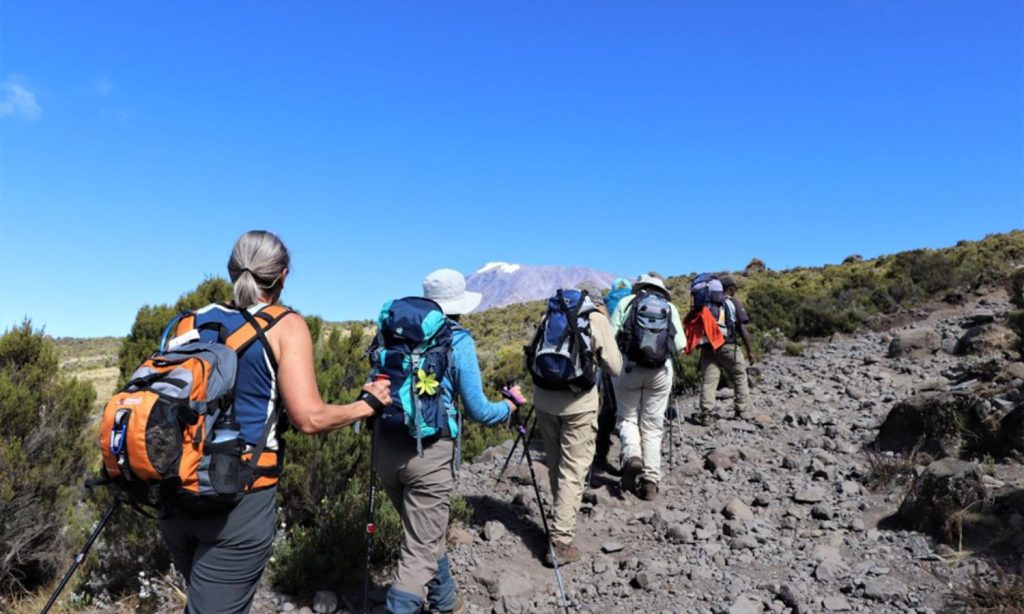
x=426, y=383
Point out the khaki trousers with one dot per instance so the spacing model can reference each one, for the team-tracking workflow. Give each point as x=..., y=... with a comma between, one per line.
x=421, y=490
x=642, y=395
x=569, y=447
x=732, y=359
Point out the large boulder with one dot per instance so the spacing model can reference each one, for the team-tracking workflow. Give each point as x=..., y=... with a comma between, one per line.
x=914, y=342
x=933, y=423
x=987, y=339
x=940, y=496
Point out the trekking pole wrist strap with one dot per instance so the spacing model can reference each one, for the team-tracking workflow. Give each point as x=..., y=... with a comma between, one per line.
x=371, y=400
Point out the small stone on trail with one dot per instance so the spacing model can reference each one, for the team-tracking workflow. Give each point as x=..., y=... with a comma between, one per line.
x=610, y=547
x=494, y=530
x=809, y=495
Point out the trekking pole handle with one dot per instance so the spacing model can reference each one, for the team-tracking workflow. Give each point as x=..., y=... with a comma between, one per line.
x=509, y=393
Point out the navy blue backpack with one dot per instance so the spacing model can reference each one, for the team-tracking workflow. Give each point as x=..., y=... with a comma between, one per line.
x=413, y=348
x=707, y=291
x=561, y=354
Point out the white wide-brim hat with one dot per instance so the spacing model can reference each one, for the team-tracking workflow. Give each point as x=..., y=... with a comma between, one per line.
x=447, y=288
x=650, y=281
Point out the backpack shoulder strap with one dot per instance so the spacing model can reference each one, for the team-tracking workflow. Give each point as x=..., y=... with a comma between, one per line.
x=256, y=327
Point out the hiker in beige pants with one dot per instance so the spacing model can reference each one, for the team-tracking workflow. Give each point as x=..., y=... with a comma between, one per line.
x=568, y=423
x=642, y=395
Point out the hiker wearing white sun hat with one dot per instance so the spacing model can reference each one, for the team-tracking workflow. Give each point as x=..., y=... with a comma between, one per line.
x=447, y=288
x=420, y=484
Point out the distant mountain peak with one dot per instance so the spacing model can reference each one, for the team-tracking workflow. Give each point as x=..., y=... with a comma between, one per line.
x=502, y=267
x=504, y=283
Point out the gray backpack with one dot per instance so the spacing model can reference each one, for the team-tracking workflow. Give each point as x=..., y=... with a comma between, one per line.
x=647, y=334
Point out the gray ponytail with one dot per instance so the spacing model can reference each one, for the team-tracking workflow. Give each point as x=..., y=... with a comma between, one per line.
x=255, y=267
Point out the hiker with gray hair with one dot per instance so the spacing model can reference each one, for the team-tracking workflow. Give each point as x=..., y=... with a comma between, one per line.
x=221, y=552
x=649, y=332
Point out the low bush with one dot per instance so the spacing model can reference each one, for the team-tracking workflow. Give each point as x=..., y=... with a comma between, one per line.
x=44, y=454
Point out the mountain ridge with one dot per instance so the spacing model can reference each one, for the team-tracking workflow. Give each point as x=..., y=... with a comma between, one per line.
x=504, y=283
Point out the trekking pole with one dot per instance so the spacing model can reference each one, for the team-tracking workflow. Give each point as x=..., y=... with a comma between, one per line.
x=81, y=555
x=674, y=404
x=529, y=438
x=519, y=402
x=371, y=524
x=515, y=444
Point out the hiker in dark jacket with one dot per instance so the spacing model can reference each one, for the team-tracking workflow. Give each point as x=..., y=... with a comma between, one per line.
x=727, y=357
x=420, y=487
x=620, y=288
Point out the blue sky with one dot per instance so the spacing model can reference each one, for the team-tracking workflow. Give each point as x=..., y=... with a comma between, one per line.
x=382, y=140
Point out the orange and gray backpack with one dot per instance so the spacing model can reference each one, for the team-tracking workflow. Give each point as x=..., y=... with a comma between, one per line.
x=169, y=438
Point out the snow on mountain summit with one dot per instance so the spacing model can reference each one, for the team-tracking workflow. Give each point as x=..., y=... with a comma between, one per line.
x=503, y=283
x=502, y=267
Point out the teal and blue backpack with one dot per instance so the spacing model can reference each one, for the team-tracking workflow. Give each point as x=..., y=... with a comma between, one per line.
x=413, y=348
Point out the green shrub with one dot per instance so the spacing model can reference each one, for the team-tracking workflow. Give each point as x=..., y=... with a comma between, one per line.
x=329, y=549
x=43, y=454
x=793, y=349
x=1016, y=323
x=1015, y=287
x=151, y=320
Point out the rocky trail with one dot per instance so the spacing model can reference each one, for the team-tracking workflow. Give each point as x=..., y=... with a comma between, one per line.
x=774, y=514
x=803, y=507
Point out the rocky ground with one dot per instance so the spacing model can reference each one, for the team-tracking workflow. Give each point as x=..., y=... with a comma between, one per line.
x=772, y=514
x=802, y=507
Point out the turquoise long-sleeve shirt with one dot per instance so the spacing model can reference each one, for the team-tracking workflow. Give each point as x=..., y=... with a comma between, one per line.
x=469, y=383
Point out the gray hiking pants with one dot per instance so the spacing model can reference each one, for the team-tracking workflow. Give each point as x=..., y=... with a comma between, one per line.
x=732, y=359
x=421, y=490
x=222, y=556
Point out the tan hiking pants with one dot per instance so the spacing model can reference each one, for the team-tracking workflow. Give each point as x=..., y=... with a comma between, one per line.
x=569, y=447
x=732, y=359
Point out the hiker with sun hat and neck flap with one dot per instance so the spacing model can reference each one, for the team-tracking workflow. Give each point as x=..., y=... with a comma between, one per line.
x=418, y=473
x=649, y=331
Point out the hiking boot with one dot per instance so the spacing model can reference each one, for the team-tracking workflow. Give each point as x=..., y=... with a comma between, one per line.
x=459, y=608
x=566, y=553
x=702, y=418
x=648, y=490
x=630, y=472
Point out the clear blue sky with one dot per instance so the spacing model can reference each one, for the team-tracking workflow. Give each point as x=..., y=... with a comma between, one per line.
x=382, y=140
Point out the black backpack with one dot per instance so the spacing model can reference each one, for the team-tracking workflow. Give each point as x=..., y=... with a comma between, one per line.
x=647, y=334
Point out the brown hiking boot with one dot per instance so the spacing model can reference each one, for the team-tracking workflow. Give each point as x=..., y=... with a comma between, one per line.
x=566, y=553
x=703, y=418
x=459, y=608
x=648, y=490
x=630, y=472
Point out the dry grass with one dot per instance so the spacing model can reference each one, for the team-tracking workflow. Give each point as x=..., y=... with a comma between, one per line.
x=1001, y=594
x=886, y=471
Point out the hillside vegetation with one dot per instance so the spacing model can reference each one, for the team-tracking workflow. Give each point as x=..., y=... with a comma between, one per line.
x=323, y=492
